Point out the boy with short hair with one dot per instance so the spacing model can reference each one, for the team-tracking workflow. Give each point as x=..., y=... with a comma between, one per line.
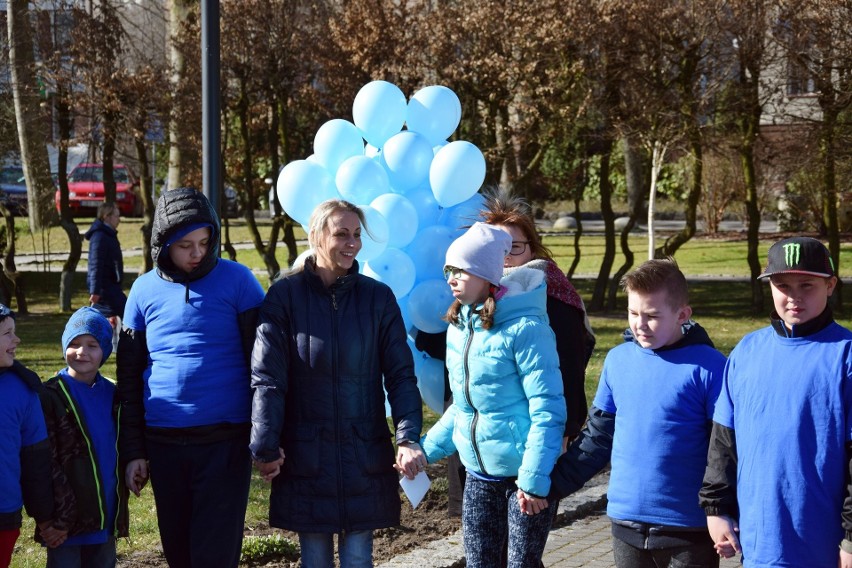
x=651, y=416
x=81, y=411
x=776, y=485
x=24, y=452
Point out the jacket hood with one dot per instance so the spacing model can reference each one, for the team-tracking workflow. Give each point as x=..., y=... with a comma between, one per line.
x=176, y=209
x=693, y=334
x=97, y=226
x=522, y=292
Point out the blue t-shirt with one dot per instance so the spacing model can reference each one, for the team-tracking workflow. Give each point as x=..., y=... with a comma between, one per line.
x=789, y=401
x=663, y=403
x=198, y=373
x=21, y=425
x=95, y=404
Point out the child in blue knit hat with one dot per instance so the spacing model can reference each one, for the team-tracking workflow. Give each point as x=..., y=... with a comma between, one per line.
x=81, y=411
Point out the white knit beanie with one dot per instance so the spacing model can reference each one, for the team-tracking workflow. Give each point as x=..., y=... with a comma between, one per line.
x=481, y=251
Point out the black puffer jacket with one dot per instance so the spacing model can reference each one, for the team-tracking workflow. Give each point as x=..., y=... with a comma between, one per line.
x=317, y=367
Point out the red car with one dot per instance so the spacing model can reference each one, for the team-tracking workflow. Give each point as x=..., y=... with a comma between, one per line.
x=86, y=190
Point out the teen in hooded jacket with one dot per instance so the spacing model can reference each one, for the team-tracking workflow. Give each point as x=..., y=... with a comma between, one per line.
x=184, y=384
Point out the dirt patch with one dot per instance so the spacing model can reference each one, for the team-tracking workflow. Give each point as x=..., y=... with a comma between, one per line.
x=418, y=526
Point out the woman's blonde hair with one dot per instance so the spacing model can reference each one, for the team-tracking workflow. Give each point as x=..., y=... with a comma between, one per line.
x=317, y=224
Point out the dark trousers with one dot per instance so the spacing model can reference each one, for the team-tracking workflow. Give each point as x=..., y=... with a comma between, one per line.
x=701, y=555
x=201, y=493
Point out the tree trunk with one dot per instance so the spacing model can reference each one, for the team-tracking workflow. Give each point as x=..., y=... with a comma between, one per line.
x=599, y=294
x=635, y=172
x=752, y=213
x=12, y=280
x=178, y=13
x=75, y=242
x=693, y=197
x=658, y=154
x=32, y=125
x=829, y=204
x=146, y=185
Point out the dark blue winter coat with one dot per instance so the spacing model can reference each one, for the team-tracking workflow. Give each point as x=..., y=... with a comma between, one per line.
x=320, y=360
x=106, y=268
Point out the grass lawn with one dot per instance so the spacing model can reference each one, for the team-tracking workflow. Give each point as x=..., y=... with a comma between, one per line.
x=720, y=306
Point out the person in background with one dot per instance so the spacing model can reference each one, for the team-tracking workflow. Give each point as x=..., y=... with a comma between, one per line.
x=184, y=384
x=651, y=419
x=330, y=342
x=81, y=411
x=508, y=412
x=24, y=449
x=777, y=481
x=565, y=309
x=106, y=267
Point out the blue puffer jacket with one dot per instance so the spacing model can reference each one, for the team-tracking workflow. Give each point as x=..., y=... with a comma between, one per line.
x=508, y=413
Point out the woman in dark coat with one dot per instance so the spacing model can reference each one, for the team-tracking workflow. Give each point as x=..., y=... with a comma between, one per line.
x=328, y=340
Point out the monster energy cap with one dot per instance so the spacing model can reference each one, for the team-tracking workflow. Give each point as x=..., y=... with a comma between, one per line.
x=798, y=255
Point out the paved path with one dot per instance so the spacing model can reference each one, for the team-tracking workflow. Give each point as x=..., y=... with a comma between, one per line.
x=583, y=539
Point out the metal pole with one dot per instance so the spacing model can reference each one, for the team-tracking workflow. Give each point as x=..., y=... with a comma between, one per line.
x=210, y=132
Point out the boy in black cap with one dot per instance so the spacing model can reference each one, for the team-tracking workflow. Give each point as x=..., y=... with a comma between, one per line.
x=80, y=411
x=775, y=488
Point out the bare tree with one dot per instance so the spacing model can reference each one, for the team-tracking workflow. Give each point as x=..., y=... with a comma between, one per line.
x=32, y=127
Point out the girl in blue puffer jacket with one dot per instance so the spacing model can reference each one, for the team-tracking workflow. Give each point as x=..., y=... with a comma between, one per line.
x=508, y=413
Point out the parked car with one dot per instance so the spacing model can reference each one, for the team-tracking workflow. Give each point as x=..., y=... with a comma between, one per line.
x=13, y=189
x=86, y=190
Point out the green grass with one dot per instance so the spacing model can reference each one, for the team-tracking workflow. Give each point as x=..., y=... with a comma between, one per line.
x=721, y=307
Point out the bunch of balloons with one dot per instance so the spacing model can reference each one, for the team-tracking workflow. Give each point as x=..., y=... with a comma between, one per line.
x=418, y=192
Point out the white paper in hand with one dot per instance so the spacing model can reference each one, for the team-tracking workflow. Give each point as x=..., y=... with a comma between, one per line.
x=415, y=488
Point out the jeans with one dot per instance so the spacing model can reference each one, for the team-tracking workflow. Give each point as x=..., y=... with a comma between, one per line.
x=354, y=548
x=490, y=512
x=696, y=556
x=83, y=555
x=201, y=493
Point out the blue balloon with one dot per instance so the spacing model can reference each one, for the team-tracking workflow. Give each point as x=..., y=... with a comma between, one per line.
x=460, y=217
x=374, y=237
x=335, y=141
x=394, y=268
x=434, y=112
x=430, y=380
x=301, y=186
x=361, y=179
x=407, y=157
x=428, y=251
x=379, y=111
x=428, y=302
x=457, y=172
x=428, y=210
x=401, y=217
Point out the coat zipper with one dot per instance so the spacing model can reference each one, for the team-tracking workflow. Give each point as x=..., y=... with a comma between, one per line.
x=101, y=504
x=466, y=366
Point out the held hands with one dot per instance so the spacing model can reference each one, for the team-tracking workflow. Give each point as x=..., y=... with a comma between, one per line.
x=268, y=470
x=410, y=459
x=531, y=505
x=724, y=530
x=94, y=298
x=136, y=475
x=52, y=536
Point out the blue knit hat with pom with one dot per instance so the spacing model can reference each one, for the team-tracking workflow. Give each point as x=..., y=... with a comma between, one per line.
x=88, y=321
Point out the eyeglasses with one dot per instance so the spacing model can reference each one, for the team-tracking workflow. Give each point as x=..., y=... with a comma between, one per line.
x=452, y=272
x=518, y=247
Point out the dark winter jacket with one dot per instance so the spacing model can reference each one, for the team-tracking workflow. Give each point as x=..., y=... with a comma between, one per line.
x=106, y=268
x=317, y=371
x=80, y=505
